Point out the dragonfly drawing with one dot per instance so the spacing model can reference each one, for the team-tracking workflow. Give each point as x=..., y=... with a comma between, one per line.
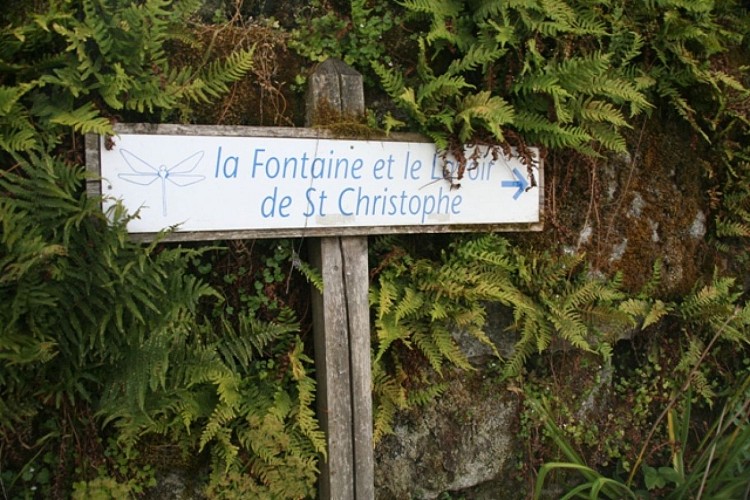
x=145, y=174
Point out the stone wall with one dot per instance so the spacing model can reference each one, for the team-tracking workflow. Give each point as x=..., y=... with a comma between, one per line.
x=464, y=440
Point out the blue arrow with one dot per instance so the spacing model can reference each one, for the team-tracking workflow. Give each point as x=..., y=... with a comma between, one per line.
x=521, y=184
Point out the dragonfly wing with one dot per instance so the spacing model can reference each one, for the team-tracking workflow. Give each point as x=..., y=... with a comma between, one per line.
x=141, y=179
x=188, y=164
x=136, y=164
x=184, y=179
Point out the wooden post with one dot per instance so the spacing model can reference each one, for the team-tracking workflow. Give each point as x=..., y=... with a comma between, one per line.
x=341, y=321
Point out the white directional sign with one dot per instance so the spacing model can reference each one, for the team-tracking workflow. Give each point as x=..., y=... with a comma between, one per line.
x=231, y=183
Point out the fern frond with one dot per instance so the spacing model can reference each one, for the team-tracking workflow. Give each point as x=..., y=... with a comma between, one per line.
x=388, y=396
x=384, y=296
x=20, y=138
x=607, y=136
x=593, y=110
x=213, y=81
x=492, y=111
x=649, y=312
x=443, y=86
x=689, y=359
x=478, y=55
x=423, y=396
x=441, y=8
x=543, y=82
x=388, y=332
x=411, y=302
x=732, y=229
x=391, y=80
x=306, y=419
x=704, y=303
x=85, y=119
x=311, y=274
x=448, y=348
x=620, y=91
x=533, y=336
x=427, y=346
x=551, y=134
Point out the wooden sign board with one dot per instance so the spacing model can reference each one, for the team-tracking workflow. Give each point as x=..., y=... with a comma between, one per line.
x=246, y=182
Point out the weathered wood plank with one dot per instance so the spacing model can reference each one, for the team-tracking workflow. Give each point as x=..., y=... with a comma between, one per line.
x=330, y=326
x=337, y=231
x=93, y=166
x=312, y=132
x=356, y=285
x=335, y=87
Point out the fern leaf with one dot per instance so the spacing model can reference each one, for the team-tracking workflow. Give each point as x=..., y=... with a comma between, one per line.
x=444, y=85
x=388, y=332
x=411, y=302
x=423, y=396
x=593, y=110
x=391, y=80
x=657, y=311
x=389, y=396
x=478, y=55
x=448, y=348
x=731, y=229
x=492, y=111
x=385, y=296
x=214, y=79
x=305, y=413
x=426, y=343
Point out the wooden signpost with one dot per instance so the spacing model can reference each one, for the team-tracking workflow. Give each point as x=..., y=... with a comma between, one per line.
x=341, y=323
x=218, y=182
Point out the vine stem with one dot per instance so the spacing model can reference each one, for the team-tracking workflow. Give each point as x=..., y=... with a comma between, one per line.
x=677, y=396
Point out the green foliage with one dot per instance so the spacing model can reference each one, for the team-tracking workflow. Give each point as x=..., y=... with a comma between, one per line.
x=356, y=39
x=79, y=298
x=566, y=303
x=694, y=52
x=555, y=304
x=595, y=484
x=421, y=303
x=692, y=351
x=77, y=295
x=101, y=488
x=527, y=71
x=132, y=471
x=733, y=180
x=716, y=468
x=567, y=74
x=721, y=460
x=388, y=396
x=33, y=478
x=256, y=278
x=246, y=392
x=93, y=320
x=89, y=319
x=72, y=67
x=418, y=304
x=92, y=317
x=682, y=47
x=713, y=315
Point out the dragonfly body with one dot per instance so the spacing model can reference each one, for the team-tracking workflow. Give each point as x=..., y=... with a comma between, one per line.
x=145, y=174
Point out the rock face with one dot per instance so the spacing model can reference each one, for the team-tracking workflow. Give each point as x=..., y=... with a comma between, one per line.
x=626, y=213
x=175, y=484
x=463, y=440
